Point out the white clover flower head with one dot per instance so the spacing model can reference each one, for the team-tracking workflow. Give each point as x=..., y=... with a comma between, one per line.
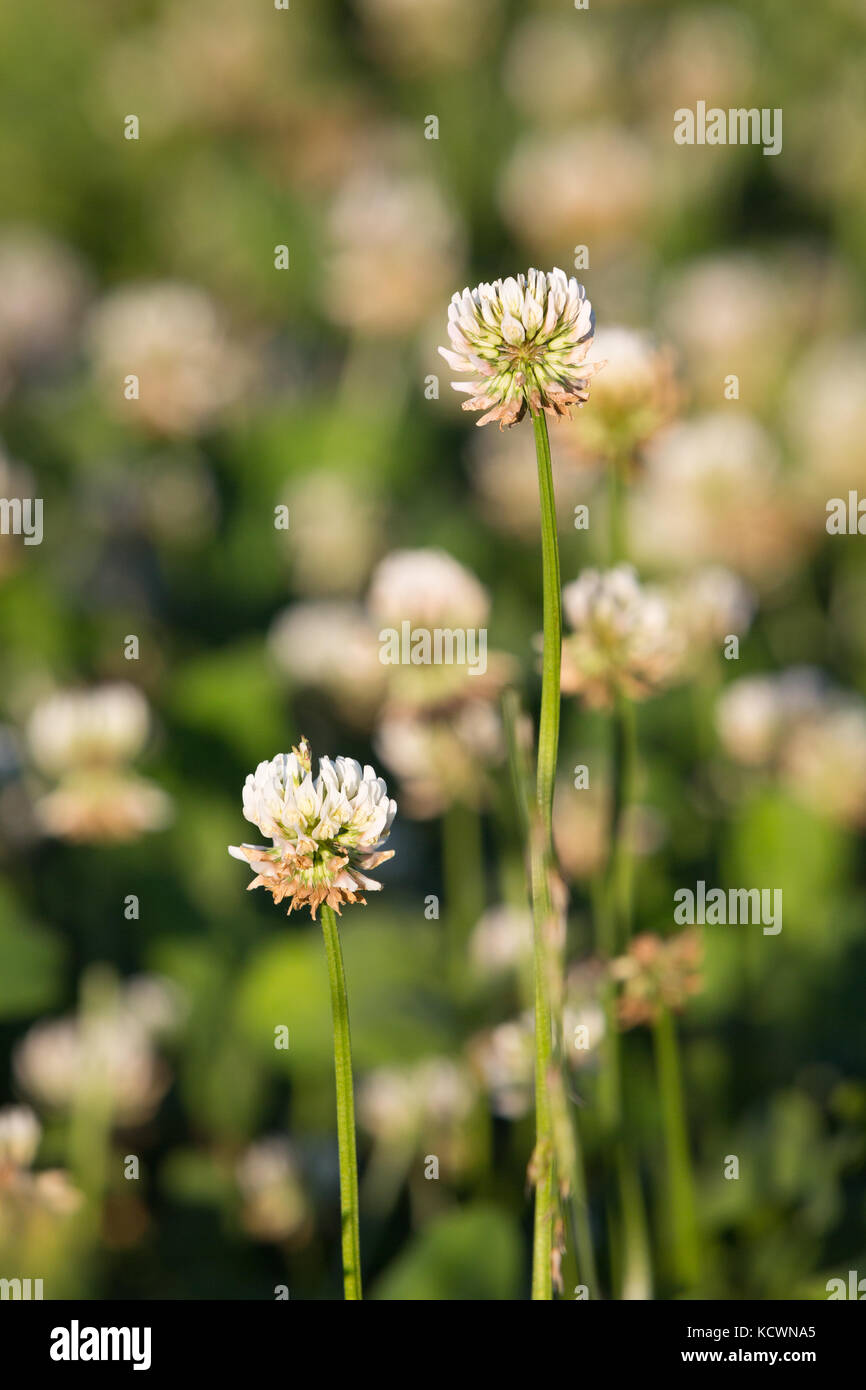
x=523, y=342
x=325, y=831
x=624, y=637
x=20, y=1132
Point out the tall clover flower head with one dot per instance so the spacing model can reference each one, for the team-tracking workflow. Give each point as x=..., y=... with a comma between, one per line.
x=523, y=342
x=326, y=831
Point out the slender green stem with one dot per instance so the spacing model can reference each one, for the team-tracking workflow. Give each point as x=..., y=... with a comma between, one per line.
x=682, y=1212
x=548, y=727
x=345, y=1108
x=541, y=861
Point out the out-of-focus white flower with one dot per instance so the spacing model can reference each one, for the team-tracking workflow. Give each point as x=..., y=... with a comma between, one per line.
x=105, y=1057
x=623, y=639
x=274, y=1204
x=824, y=764
x=555, y=46
x=708, y=55
x=331, y=646
x=85, y=739
x=712, y=491
x=172, y=337
x=427, y=588
x=504, y=477
x=581, y=829
x=435, y=35
x=338, y=535
x=826, y=415
x=26, y=1196
x=395, y=249
x=501, y=940
x=43, y=289
x=326, y=831
x=592, y=186
x=732, y=315
x=810, y=733
x=583, y=1030
x=523, y=344
x=400, y=1105
x=504, y=1060
x=20, y=1133
x=708, y=605
x=441, y=758
x=757, y=714
x=101, y=727
x=634, y=396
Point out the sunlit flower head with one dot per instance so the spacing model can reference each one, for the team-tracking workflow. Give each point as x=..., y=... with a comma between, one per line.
x=523, y=344
x=623, y=639
x=325, y=831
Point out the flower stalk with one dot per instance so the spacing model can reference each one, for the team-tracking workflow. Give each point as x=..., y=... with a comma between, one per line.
x=349, y=1207
x=541, y=865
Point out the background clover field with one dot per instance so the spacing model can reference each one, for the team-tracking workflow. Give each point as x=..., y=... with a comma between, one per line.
x=129, y=948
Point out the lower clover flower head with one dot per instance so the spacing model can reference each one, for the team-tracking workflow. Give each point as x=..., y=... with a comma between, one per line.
x=624, y=638
x=524, y=343
x=325, y=831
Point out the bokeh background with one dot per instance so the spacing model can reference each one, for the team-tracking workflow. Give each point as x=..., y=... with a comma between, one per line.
x=140, y=986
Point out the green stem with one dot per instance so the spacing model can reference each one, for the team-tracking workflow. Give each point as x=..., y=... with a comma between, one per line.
x=548, y=727
x=541, y=860
x=681, y=1195
x=345, y=1108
